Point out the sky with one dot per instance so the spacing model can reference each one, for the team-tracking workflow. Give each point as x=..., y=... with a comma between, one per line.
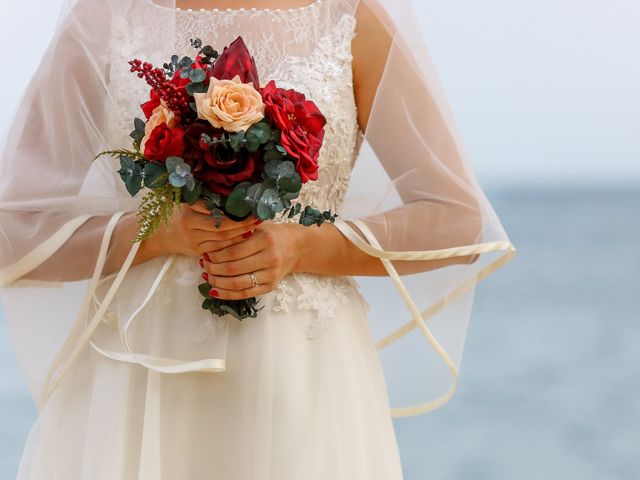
x=545, y=92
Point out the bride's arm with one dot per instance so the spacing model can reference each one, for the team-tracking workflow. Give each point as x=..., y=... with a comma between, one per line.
x=325, y=250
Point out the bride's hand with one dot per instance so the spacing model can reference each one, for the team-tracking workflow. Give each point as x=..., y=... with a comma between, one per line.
x=270, y=253
x=191, y=231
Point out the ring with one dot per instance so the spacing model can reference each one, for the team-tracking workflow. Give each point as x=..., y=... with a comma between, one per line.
x=254, y=280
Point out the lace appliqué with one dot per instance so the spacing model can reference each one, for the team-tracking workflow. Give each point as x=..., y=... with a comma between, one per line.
x=324, y=294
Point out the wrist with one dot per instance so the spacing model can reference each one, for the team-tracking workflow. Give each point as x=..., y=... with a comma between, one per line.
x=150, y=247
x=303, y=239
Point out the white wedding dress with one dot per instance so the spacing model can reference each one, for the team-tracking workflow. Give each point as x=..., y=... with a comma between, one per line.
x=303, y=395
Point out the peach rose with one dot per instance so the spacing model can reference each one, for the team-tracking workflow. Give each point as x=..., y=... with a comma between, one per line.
x=161, y=114
x=230, y=104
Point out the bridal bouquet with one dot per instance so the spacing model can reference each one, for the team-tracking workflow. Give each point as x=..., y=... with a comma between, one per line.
x=212, y=132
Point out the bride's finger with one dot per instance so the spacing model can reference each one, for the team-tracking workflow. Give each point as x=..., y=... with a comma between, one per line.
x=208, y=245
x=199, y=206
x=219, y=235
x=205, y=221
x=225, y=294
x=239, y=282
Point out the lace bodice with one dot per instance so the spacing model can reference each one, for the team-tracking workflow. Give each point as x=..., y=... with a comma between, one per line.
x=306, y=48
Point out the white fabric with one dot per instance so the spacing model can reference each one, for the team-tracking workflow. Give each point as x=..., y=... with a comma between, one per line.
x=127, y=370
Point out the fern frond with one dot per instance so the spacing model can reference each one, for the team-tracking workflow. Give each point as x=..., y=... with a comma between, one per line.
x=134, y=154
x=156, y=207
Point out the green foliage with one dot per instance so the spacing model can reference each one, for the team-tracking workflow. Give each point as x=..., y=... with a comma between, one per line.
x=237, y=202
x=197, y=75
x=123, y=152
x=179, y=173
x=156, y=207
x=154, y=174
x=197, y=87
x=138, y=133
x=131, y=174
x=240, y=309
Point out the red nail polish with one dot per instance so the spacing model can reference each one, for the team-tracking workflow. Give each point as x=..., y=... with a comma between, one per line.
x=247, y=234
x=258, y=222
x=213, y=292
x=206, y=257
x=201, y=261
x=205, y=276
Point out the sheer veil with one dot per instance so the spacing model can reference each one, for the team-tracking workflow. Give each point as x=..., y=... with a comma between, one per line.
x=413, y=201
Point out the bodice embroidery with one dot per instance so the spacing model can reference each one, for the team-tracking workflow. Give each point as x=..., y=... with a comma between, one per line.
x=306, y=48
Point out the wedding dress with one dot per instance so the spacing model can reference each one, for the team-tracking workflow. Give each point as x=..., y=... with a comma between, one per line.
x=303, y=395
x=131, y=378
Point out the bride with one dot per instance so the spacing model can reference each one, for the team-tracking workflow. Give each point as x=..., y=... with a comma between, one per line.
x=131, y=378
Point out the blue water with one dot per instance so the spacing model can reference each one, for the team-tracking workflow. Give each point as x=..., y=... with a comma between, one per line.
x=550, y=380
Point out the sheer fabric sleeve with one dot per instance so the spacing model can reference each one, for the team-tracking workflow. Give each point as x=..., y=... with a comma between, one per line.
x=415, y=203
x=59, y=207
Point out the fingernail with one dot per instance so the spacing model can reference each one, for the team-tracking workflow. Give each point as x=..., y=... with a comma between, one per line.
x=213, y=292
x=258, y=222
x=206, y=257
x=201, y=261
x=247, y=234
x=205, y=276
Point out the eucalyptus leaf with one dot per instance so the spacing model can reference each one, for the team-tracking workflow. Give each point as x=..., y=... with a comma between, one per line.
x=131, y=174
x=237, y=203
x=236, y=140
x=177, y=180
x=186, y=62
x=176, y=164
x=269, y=204
x=271, y=168
x=254, y=192
x=197, y=75
x=153, y=173
x=261, y=131
x=191, y=196
x=289, y=195
x=138, y=124
x=290, y=185
x=209, y=51
x=195, y=87
x=272, y=155
x=286, y=169
x=269, y=182
x=191, y=182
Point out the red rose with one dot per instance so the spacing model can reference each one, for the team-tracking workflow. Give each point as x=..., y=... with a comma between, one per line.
x=218, y=167
x=164, y=142
x=236, y=60
x=150, y=106
x=302, y=126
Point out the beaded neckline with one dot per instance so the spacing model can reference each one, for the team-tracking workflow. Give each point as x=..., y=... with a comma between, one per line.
x=238, y=10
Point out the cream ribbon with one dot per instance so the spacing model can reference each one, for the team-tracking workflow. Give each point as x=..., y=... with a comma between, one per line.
x=158, y=363
x=418, y=318
x=71, y=348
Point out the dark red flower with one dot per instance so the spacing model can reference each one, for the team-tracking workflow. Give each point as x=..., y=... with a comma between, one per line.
x=302, y=126
x=236, y=60
x=219, y=167
x=164, y=142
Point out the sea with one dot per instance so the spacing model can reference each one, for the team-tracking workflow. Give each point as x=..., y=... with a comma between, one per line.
x=550, y=379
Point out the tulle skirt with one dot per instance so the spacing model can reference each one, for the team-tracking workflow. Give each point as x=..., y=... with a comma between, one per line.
x=290, y=405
